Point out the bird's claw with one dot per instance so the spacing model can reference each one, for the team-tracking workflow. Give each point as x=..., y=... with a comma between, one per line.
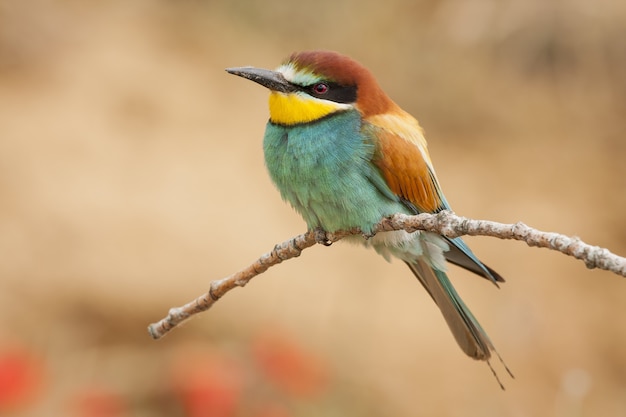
x=321, y=237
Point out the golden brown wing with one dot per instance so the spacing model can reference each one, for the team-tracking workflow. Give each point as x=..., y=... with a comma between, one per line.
x=403, y=161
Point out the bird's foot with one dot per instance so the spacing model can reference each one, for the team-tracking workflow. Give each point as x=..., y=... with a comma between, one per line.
x=368, y=236
x=321, y=237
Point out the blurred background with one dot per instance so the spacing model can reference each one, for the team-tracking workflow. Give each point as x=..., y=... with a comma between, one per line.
x=131, y=175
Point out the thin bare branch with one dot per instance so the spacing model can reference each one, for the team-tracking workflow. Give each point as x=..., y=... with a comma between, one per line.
x=444, y=223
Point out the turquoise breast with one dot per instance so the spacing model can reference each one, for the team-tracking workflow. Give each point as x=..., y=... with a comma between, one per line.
x=324, y=170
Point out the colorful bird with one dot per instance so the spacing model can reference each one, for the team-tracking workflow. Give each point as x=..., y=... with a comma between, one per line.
x=344, y=155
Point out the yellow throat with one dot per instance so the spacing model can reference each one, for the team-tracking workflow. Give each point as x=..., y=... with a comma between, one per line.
x=292, y=108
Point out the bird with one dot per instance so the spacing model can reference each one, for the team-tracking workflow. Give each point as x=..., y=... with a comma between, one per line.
x=344, y=155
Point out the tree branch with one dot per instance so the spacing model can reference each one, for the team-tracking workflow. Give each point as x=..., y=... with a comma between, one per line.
x=444, y=223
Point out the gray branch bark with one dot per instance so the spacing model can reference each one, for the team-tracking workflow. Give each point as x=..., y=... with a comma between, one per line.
x=444, y=223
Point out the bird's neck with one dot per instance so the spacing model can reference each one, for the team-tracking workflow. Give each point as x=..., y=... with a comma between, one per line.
x=294, y=108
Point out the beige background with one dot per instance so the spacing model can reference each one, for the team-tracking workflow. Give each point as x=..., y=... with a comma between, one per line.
x=131, y=174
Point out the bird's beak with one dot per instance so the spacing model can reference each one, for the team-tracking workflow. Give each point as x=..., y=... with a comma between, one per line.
x=271, y=79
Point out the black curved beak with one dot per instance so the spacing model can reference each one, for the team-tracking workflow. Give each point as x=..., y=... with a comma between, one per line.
x=271, y=79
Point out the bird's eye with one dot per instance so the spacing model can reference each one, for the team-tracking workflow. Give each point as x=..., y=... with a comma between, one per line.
x=320, y=88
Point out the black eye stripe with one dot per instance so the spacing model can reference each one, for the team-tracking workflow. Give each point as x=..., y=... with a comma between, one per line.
x=338, y=93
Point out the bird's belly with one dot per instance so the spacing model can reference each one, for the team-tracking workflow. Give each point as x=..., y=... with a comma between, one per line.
x=335, y=199
x=410, y=246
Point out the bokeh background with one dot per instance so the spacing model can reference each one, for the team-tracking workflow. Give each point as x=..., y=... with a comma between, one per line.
x=131, y=175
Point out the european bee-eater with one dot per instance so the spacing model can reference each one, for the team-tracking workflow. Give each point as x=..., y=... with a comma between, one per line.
x=344, y=155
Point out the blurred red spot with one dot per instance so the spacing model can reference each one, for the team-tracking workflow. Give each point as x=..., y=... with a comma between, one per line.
x=98, y=402
x=209, y=385
x=289, y=366
x=21, y=376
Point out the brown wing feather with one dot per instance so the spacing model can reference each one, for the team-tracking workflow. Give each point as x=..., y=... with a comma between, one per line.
x=406, y=171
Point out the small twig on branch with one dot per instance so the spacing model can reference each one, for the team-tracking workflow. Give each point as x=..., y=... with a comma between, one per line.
x=444, y=223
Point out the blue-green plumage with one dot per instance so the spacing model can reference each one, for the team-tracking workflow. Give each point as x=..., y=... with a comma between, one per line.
x=325, y=171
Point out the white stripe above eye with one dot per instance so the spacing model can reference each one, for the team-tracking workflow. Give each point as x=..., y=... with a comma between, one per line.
x=298, y=76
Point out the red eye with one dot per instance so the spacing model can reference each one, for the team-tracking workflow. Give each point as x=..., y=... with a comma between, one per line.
x=320, y=88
